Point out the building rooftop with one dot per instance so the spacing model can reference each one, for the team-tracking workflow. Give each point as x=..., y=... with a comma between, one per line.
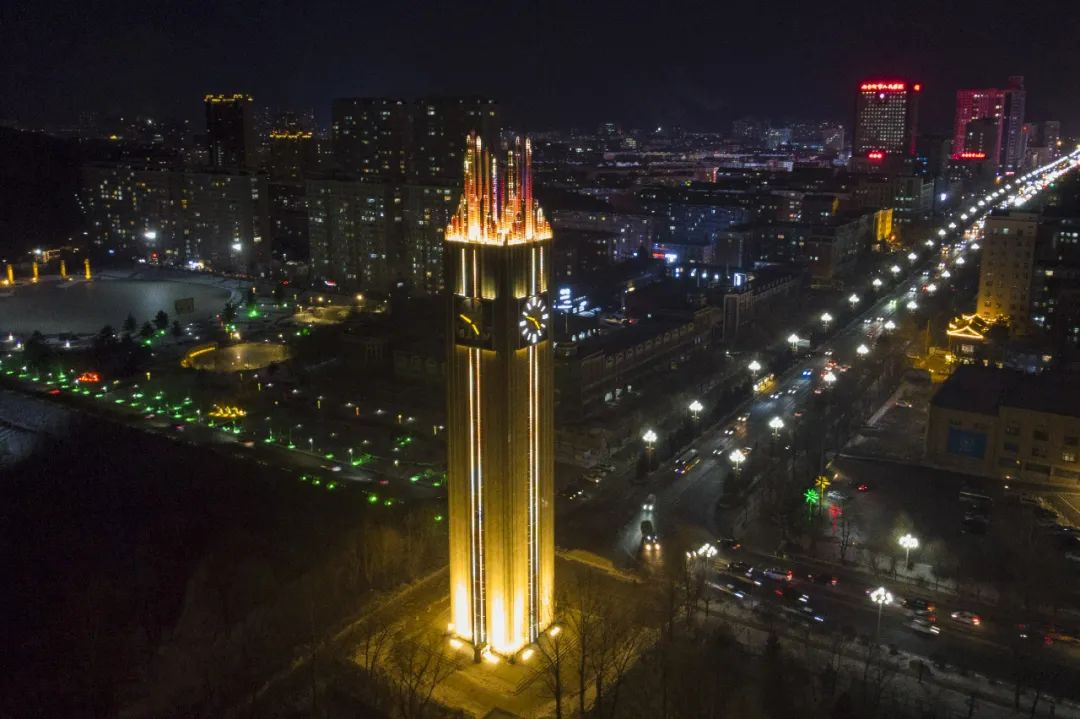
x=983, y=390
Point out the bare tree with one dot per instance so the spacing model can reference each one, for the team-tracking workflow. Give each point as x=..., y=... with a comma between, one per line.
x=417, y=665
x=554, y=651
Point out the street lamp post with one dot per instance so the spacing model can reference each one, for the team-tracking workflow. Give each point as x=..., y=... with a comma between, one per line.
x=737, y=458
x=650, y=439
x=862, y=350
x=650, y=444
x=826, y=318
x=776, y=424
x=895, y=269
x=854, y=300
x=793, y=340
x=877, y=283
x=695, y=409
x=908, y=542
x=754, y=367
x=880, y=597
x=830, y=379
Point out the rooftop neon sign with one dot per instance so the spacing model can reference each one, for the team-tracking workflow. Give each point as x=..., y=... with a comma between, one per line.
x=887, y=86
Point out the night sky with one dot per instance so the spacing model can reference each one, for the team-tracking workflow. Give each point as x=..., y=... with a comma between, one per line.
x=551, y=63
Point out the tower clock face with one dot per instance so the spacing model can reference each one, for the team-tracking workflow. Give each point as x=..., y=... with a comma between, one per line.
x=472, y=322
x=533, y=320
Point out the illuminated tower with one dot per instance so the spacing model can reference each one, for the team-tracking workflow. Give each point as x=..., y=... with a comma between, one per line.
x=500, y=437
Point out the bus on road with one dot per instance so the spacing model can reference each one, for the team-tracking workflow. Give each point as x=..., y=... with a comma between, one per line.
x=686, y=461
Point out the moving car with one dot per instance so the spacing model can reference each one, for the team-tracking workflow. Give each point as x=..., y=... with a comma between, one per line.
x=779, y=575
x=919, y=606
x=740, y=568
x=965, y=617
x=649, y=540
x=729, y=544
x=826, y=579
x=922, y=625
x=649, y=504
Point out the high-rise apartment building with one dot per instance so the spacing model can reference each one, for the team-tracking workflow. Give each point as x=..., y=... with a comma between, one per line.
x=500, y=434
x=886, y=119
x=1008, y=257
x=372, y=137
x=1012, y=130
x=213, y=219
x=438, y=125
x=349, y=230
x=230, y=131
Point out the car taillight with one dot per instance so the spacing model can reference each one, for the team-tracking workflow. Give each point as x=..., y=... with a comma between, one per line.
x=976, y=621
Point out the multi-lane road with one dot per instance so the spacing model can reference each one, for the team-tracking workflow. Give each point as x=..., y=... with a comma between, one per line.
x=609, y=524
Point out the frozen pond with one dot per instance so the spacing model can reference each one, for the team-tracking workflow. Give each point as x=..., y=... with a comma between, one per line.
x=84, y=307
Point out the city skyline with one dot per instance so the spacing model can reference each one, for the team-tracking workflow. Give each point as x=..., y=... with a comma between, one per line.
x=692, y=74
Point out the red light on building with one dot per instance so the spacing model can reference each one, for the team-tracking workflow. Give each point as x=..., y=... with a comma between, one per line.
x=886, y=86
x=969, y=156
x=875, y=155
x=88, y=378
x=917, y=87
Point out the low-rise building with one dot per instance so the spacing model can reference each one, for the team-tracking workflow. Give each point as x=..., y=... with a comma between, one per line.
x=1008, y=425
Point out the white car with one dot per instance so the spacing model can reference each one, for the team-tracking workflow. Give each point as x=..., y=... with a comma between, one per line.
x=965, y=617
x=924, y=626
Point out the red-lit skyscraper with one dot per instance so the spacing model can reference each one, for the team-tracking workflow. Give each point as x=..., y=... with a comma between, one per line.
x=972, y=105
x=991, y=111
x=886, y=117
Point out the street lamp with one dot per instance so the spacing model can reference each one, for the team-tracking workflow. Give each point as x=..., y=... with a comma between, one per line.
x=912, y=257
x=793, y=340
x=895, y=269
x=776, y=424
x=952, y=225
x=862, y=350
x=974, y=246
x=945, y=274
x=942, y=232
x=912, y=305
x=931, y=288
x=890, y=325
x=826, y=318
x=650, y=439
x=695, y=409
x=829, y=379
x=880, y=597
x=929, y=243
x=877, y=283
x=311, y=443
x=960, y=261
x=908, y=542
x=854, y=299
x=737, y=458
x=754, y=367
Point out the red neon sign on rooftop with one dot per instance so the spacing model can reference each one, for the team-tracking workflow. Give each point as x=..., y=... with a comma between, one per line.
x=969, y=156
x=883, y=86
x=876, y=155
